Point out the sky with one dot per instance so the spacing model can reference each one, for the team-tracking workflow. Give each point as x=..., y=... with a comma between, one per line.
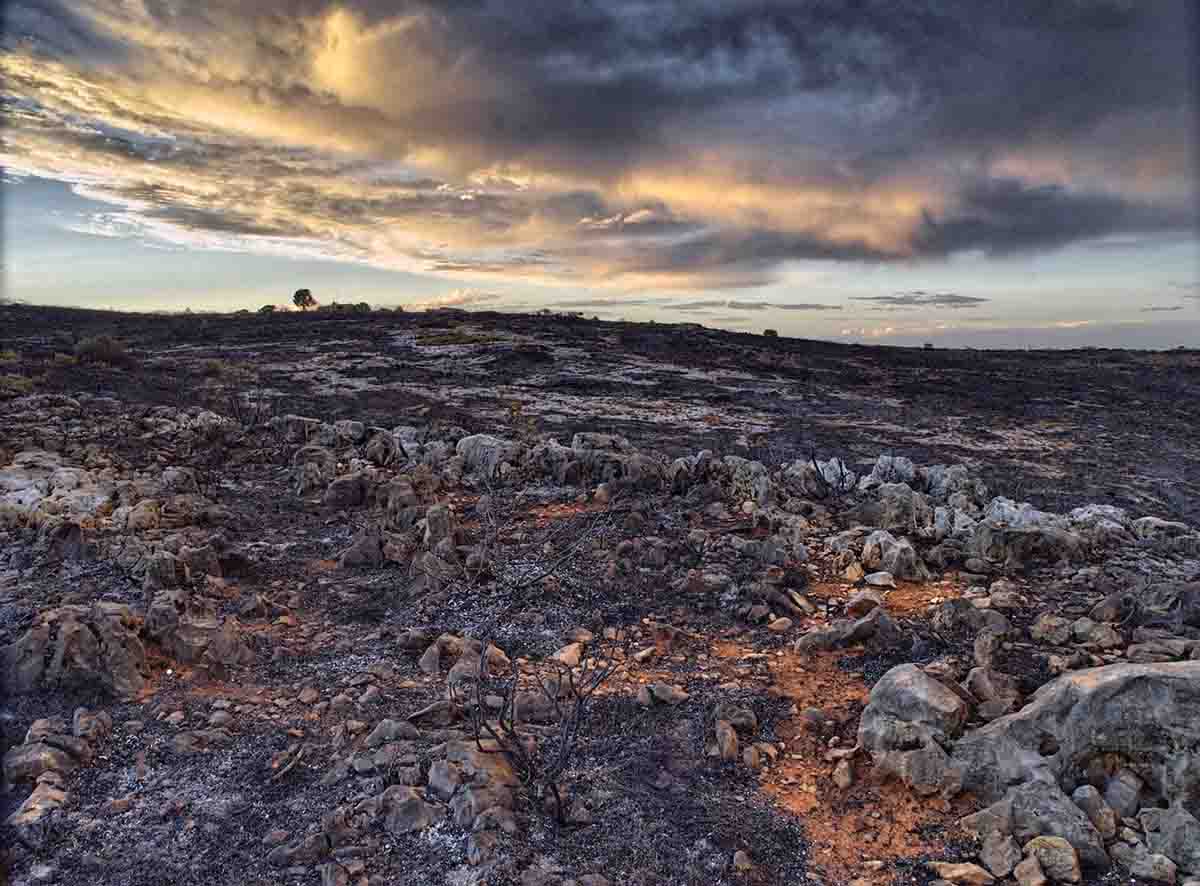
x=1015, y=174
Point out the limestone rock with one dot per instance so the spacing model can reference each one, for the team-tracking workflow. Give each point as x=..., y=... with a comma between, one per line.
x=903, y=510
x=391, y=730
x=405, y=810
x=907, y=703
x=345, y=492
x=876, y=627
x=889, y=469
x=1123, y=793
x=908, y=718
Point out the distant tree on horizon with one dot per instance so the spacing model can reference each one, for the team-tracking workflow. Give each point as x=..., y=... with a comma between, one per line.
x=303, y=299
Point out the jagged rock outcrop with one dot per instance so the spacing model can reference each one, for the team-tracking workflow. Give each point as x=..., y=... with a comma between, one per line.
x=77, y=646
x=883, y=551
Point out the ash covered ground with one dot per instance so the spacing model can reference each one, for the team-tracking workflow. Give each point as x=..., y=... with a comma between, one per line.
x=480, y=598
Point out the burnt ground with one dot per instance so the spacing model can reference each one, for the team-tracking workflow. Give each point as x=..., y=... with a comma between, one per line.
x=1056, y=428
x=1059, y=429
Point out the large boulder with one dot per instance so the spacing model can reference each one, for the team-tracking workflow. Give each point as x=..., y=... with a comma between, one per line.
x=195, y=635
x=597, y=441
x=604, y=458
x=1143, y=713
x=907, y=707
x=1100, y=526
x=1175, y=833
x=440, y=523
x=1040, y=808
x=644, y=472
x=949, y=522
x=1154, y=529
x=551, y=459
x=348, y=491
x=876, y=628
x=402, y=503
x=382, y=448
x=909, y=721
x=313, y=467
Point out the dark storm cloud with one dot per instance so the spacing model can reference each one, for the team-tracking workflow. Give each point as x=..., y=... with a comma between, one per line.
x=921, y=299
x=1005, y=216
x=600, y=76
x=978, y=73
x=58, y=28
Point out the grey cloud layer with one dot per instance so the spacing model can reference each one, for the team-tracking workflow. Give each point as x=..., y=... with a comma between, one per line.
x=701, y=307
x=920, y=298
x=701, y=144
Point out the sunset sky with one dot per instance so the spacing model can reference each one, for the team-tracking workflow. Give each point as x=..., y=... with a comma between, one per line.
x=964, y=172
